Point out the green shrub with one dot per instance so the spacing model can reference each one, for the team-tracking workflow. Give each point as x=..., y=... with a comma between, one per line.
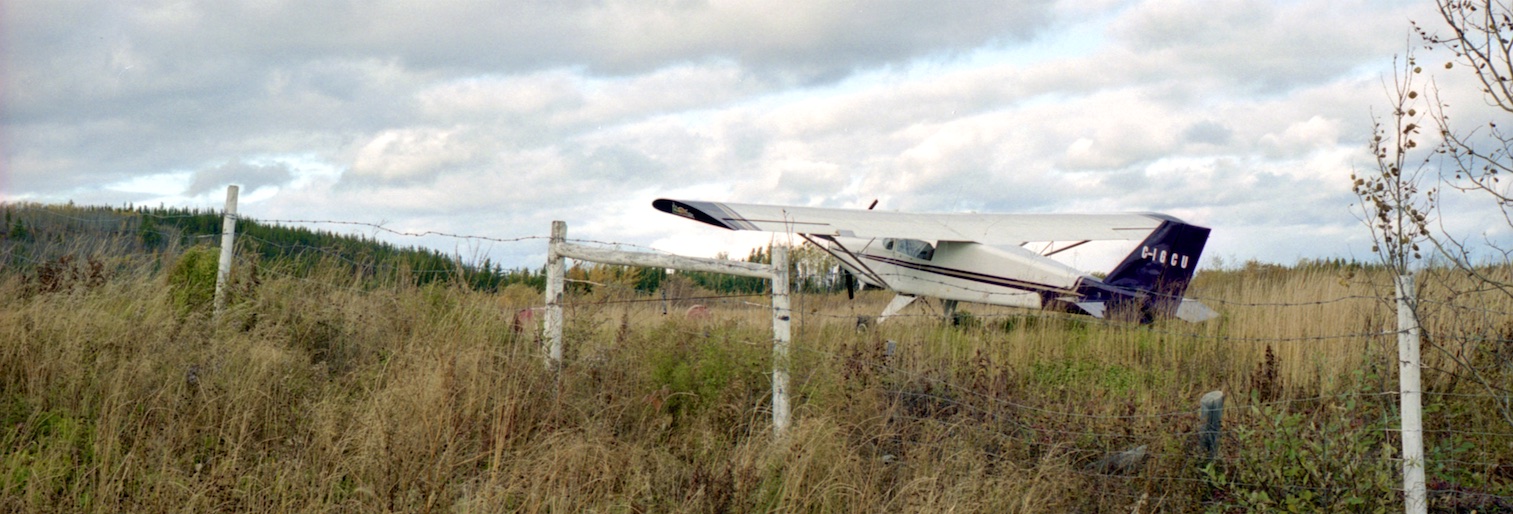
x=1333, y=458
x=191, y=281
x=696, y=374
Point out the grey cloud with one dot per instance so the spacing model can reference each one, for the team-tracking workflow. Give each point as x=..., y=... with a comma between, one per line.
x=167, y=124
x=1259, y=45
x=496, y=116
x=809, y=39
x=247, y=175
x=619, y=164
x=1207, y=132
x=122, y=87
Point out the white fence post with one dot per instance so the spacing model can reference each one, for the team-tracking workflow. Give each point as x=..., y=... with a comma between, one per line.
x=555, y=272
x=1410, y=391
x=228, y=244
x=781, y=326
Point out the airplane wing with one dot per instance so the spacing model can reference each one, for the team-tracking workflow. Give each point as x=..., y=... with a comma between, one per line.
x=990, y=229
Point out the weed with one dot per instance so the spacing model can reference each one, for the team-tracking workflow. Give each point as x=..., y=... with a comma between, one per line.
x=1264, y=386
x=67, y=273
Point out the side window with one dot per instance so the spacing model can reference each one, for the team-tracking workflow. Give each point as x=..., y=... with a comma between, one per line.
x=911, y=247
x=922, y=250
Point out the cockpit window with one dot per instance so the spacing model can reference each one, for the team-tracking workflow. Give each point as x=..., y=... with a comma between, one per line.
x=911, y=247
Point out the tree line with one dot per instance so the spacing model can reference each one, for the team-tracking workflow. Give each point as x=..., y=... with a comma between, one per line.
x=37, y=233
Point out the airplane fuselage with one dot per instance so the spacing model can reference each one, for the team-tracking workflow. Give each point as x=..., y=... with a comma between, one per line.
x=961, y=271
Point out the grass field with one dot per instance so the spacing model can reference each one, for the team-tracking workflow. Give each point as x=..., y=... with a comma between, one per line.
x=119, y=392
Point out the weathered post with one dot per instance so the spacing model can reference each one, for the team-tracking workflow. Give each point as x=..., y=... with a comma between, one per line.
x=228, y=244
x=781, y=325
x=555, y=272
x=1415, y=498
x=1211, y=410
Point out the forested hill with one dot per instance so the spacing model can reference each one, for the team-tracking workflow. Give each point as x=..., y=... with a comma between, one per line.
x=34, y=234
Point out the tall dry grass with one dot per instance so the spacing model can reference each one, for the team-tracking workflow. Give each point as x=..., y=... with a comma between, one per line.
x=313, y=393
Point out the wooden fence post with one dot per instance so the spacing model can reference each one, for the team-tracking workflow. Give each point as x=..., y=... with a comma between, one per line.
x=228, y=244
x=781, y=330
x=555, y=272
x=1211, y=410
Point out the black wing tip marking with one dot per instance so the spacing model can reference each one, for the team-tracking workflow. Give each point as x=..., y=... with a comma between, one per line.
x=705, y=212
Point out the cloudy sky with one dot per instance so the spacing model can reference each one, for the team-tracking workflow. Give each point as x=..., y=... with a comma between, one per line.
x=492, y=118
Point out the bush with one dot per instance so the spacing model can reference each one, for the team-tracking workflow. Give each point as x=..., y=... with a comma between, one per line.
x=191, y=281
x=693, y=375
x=1332, y=458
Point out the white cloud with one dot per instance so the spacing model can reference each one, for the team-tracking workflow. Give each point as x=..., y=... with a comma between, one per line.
x=409, y=156
x=1302, y=137
x=494, y=118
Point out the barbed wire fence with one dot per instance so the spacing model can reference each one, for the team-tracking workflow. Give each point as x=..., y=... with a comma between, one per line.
x=1463, y=466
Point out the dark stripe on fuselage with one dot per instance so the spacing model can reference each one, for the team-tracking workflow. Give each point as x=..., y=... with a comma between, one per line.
x=974, y=276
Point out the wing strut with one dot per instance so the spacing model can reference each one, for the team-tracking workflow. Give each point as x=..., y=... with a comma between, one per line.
x=859, y=266
x=1068, y=247
x=898, y=304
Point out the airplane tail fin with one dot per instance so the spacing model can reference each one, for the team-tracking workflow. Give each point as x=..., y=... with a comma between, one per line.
x=1163, y=265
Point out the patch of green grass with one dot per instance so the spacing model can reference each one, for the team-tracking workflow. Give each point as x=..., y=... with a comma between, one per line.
x=49, y=457
x=1080, y=374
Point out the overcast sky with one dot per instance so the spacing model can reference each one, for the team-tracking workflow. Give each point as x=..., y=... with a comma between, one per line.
x=493, y=118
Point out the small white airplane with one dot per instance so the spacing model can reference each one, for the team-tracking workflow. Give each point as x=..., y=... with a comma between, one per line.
x=981, y=258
